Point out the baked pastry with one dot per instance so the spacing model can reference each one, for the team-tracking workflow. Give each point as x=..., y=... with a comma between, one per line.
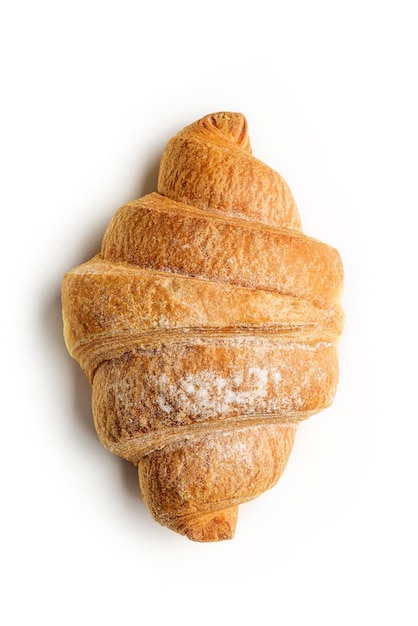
x=208, y=327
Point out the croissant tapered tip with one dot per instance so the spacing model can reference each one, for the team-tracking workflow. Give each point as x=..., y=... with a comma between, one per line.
x=215, y=526
x=232, y=125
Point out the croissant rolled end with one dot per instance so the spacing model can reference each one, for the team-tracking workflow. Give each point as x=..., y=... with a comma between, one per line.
x=233, y=125
x=215, y=526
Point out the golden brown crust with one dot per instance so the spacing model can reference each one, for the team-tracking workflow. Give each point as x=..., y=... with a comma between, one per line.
x=109, y=306
x=208, y=381
x=157, y=233
x=208, y=326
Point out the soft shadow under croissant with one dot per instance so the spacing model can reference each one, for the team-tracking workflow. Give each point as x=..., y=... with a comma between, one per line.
x=208, y=327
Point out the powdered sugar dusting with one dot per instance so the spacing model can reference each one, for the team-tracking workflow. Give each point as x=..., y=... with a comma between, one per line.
x=273, y=384
x=210, y=394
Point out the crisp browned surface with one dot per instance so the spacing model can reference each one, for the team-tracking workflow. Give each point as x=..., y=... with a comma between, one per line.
x=208, y=326
x=210, y=381
x=197, y=243
x=109, y=305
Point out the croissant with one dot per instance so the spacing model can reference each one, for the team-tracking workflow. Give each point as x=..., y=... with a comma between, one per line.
x=208, y=327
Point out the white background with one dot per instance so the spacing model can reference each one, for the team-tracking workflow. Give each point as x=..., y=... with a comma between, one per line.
x=91, y=92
